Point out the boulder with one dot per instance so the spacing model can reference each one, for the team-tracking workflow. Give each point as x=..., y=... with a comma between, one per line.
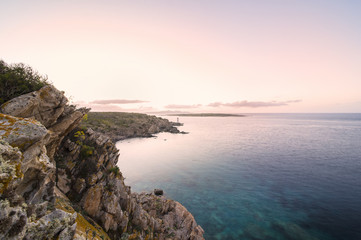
x=45, y=105
x=20, y=132
x=92, y=200
x=10, y=161
x=52, y=225
x=158, y=192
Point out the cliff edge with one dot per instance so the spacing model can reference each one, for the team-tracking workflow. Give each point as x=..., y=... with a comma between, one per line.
x=59, y=181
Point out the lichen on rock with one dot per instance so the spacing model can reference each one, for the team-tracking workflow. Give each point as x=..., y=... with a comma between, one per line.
x=45, y=105
x=21, y=132
x=10, y=160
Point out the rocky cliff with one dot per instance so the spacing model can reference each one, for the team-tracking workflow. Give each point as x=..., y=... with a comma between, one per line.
x=121, y=125
x=58, y=181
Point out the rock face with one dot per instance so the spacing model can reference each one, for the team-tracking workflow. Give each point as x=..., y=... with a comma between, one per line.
x=89, y=158
x=26, y=191
x=21, y=133
x=45, y=105
x=51, y=170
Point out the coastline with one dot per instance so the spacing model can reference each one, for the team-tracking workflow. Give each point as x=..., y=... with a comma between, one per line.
x=121, y=125
x=79, y=189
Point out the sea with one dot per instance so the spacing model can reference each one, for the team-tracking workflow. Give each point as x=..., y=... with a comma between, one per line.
x=258, y=177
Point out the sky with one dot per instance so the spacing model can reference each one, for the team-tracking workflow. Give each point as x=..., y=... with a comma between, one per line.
x=192, y=55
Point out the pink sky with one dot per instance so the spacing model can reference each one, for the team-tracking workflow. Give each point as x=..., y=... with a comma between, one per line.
x=264, y=56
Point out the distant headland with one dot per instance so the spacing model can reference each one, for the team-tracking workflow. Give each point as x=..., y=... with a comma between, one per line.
x=207, y=115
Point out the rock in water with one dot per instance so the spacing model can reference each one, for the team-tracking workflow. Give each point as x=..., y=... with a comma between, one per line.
x=158, y=192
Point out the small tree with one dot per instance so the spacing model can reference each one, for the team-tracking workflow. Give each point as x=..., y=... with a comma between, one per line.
x=18, y=79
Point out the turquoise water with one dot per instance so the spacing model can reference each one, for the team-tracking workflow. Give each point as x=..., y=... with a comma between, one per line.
x=265, y=176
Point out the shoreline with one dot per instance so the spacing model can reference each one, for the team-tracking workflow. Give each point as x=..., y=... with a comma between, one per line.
x=119, y=126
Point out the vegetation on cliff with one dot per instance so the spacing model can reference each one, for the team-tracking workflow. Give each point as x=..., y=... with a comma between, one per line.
x=18, y=79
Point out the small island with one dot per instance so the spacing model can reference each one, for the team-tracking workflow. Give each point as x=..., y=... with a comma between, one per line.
x=207, y=115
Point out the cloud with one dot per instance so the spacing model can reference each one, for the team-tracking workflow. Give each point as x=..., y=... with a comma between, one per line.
x=175, y=106
x=117, y=101
x=252, y=104
x=112, y=107
x=100, y=107
x=294, y=101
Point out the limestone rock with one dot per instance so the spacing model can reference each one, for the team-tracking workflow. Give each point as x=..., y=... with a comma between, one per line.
x=64, y=125
x=45, y=105
x=79, y=185
x=27, y=208
x=51, y=225
x=10, y=172
x=175, y=220
x=63, y=181
x=110, y=202
x=48, y=106
x=13, y=221
x=92, y=200
x=21, y=132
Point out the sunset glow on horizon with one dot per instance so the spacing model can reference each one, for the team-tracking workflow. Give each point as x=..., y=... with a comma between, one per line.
x=192, y=56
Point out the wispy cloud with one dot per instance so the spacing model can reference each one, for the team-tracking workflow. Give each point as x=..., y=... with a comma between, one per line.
x=117, y=101
x=253, y=104
x=107, y=107
x=176, y=106
x=100, y=107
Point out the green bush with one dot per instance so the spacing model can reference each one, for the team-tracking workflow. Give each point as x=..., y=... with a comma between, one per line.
x=19, y=79
x=86, y=151
x=114, y=170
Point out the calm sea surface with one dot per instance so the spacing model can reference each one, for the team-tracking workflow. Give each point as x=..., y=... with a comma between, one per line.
x=265, y=176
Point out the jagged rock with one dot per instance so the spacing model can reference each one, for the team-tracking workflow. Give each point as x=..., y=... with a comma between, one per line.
x=91, y=200
x=45, y=105
x=63, y=181
x=84, y=227
x=175, y=219
x=79, y=185
x=10, y=162
x=48, y=106
x=51, y=225
x=27, y=174
x=68, y=232
x=27, y=193
x=13, y=220
x=108, y=201
x=21, y=132
x=65, y=124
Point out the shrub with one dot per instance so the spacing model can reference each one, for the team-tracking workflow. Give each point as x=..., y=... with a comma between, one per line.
x=19, y=79
x=114, y=170
x=86, y=151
